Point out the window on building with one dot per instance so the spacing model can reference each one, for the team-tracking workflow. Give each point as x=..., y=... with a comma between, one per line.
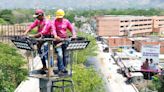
x=161, y=20
x=133, y=42
x=160, y=24
x=140, y=25
x=122, y=31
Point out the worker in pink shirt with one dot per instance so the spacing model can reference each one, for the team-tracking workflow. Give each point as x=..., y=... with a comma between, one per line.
x=60, y=26
x=44, y=30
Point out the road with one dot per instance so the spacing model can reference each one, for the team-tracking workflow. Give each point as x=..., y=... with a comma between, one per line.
x=114, y=82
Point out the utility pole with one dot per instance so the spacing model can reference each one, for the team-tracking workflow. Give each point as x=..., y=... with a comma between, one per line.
x=45, y=85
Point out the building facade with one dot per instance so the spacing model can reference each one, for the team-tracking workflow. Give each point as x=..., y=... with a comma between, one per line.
x=158, y=26
x=129, y=25
x=117, y=42
x=138, y=45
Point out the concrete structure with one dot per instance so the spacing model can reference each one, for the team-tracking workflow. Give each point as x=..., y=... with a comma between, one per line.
x=29, y=85
x=158, y=26
x=111, y=25
x=136, y=43
x=114, y=82
x=115, y=42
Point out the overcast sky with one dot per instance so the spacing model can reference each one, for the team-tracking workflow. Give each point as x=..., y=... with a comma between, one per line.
x=81, y=4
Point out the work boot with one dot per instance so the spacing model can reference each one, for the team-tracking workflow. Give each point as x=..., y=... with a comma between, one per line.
x=56, y=71
x=43, y=72
x=62, y=72
x=44, y=68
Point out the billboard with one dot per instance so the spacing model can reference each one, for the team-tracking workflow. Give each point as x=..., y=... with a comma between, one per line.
x=151, y=52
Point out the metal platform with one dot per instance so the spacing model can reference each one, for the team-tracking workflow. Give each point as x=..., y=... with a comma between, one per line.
x=49, y=80
x=44, y=75
x=53, y=83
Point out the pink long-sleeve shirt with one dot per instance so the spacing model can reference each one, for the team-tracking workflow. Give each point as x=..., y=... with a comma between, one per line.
x=60, y=28
x=44, y=26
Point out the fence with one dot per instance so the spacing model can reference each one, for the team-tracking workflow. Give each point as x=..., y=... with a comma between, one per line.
x=10, y=30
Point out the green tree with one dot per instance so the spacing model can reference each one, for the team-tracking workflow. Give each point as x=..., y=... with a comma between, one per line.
x=7, y=15
x=87, y=79
x=11, y=68
x=80, y=57
x=2, y=21
x=23, y=15
x=161, y=84
x=70, y=15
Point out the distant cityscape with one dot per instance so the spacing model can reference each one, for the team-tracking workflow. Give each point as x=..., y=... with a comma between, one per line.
x=136, y=44
x=124, y=30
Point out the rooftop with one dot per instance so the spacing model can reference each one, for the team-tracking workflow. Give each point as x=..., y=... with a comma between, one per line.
x=123, y=16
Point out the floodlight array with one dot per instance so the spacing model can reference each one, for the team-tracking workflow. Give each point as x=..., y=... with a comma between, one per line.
x=22, y=45
x=77, y=45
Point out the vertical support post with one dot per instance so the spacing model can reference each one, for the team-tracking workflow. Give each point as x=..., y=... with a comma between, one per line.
x=2, y=33
x=49, y=58
x=8, y=30
x=32, y=64
x=29, y=70
x=71, y=61
x=63, y=85
x=52, y=55
x=45, y=85
x=14, y=30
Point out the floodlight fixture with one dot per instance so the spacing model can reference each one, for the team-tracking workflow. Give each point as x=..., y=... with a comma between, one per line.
x=77, y=45
x=22, y=43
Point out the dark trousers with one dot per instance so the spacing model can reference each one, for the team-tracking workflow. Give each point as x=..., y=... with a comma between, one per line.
x=40, y=52
x=65, y=55
x=43, y=59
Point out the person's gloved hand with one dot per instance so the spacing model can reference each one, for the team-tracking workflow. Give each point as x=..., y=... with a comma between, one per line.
x=73, y=38
x=57, y=38
x=25, y=34
x=32, y=36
